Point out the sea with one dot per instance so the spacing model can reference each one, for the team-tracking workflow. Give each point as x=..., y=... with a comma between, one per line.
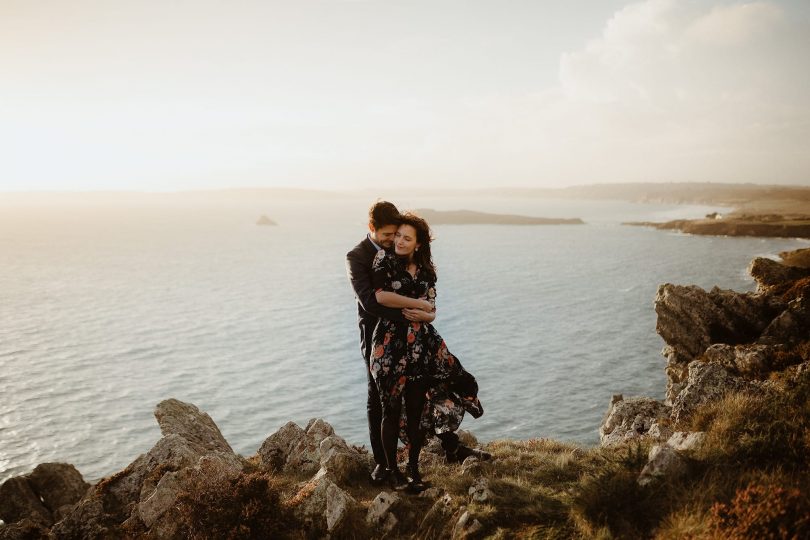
x=107, y=309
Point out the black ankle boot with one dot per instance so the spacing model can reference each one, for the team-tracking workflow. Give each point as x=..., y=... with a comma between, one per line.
x=396, y=479
x=379, y=475
x=415, y=482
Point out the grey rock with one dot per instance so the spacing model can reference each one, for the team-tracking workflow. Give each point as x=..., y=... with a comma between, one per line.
x=791, y=326
x=58, y=484
x=89, y=519
x=466, y=526
x=25, y=529
x=157, y=510
x=663, y=462
x=479, y=491
x=19, y=501
x=380, y=514
x=163, y=497
x=291, y=449
x=344, y=466
x=659, y=432
x=632, y=418
x=769, y=273
x=339, y=505
x=706, y=382
x=436, y=519
x=691, y=319
x=687, y=441
x=186, y=420
x=431, y=493
x=749, y=360
x=319, y=429
x=189, y=436
x=322, y=505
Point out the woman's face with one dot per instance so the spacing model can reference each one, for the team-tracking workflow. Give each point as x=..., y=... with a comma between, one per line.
x=405, y=241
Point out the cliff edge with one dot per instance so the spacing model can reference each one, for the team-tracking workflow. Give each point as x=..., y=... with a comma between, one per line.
x=724, y=455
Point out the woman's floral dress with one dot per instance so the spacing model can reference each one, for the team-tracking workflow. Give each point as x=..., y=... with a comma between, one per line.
x=403, y=351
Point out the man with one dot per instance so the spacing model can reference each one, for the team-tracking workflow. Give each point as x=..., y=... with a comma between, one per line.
x=383, y=221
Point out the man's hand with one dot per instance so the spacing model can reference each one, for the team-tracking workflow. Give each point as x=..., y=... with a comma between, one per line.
x=418, y=315
x=426, y=305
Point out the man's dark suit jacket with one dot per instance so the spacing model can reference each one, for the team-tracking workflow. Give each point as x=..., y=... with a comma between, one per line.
x=358, y=266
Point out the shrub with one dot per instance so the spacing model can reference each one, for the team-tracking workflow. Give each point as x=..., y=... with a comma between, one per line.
x=758, y=431
x=244, y=506
x=764, y=511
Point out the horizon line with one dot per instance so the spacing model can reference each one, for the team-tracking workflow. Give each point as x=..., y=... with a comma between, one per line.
x=367, y=188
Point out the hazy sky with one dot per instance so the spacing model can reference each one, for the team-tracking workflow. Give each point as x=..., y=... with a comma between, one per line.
x=160, y=95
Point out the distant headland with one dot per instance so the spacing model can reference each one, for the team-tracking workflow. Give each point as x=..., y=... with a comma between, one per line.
x=470, y=217
x=765, y=211
x=767, y=225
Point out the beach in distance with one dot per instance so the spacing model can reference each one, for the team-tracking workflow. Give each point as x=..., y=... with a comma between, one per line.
x=113, y=306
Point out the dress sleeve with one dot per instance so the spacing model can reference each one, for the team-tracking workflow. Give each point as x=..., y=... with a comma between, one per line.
x=383, y=272
x=431, y=293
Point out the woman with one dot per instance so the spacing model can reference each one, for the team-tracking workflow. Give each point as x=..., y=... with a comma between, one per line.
x=411, y=360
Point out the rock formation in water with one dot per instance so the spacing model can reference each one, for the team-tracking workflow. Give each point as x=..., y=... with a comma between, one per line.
x=265, y=220
x=717, y=341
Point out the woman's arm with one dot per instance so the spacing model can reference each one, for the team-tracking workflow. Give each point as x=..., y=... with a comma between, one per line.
x=394, y=300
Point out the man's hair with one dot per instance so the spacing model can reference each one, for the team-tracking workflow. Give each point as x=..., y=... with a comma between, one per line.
x=383, y=213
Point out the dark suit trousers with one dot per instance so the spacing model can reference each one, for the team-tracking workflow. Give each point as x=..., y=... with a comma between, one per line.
x=373, y=404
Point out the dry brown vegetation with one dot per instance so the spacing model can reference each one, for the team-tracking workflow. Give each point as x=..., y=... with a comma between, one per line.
x=747, y=481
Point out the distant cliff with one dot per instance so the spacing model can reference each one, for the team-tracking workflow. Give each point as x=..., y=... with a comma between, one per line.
x=770, y=225
x=470, y=217
x=724, y=455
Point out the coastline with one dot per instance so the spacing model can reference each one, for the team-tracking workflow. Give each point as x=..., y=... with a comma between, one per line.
x=736, y=363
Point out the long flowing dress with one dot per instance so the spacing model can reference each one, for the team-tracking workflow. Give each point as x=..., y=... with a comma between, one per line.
x=414, y=351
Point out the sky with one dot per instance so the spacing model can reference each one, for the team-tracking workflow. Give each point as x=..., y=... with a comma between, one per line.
x=350, y=94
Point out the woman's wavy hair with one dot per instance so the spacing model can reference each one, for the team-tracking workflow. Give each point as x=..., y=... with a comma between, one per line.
x=424, y=236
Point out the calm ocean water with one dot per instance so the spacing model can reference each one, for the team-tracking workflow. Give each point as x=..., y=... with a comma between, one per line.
x=107, y=311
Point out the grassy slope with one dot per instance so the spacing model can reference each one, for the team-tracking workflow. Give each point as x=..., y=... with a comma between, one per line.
x=747, y=481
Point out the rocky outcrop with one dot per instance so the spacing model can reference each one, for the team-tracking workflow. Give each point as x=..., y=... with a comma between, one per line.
x=322, y=506
x=44, y=496
x=144, y=491
x=18, y=501
x=718, y=341
x=314, y=449
x=706, y=382
x=799, y=258
x=670, y=460
x=770, y=274
x=380, y=515
x=691, y=319
x=633, y=419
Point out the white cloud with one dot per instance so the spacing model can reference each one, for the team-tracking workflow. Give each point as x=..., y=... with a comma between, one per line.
x=669, y=90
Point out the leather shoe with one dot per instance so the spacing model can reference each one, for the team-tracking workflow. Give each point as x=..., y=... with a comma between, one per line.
x=415, y=482
x=396, y=479
x=379, y=475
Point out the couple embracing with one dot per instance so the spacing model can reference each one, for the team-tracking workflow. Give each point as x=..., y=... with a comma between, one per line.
x=416, y=388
